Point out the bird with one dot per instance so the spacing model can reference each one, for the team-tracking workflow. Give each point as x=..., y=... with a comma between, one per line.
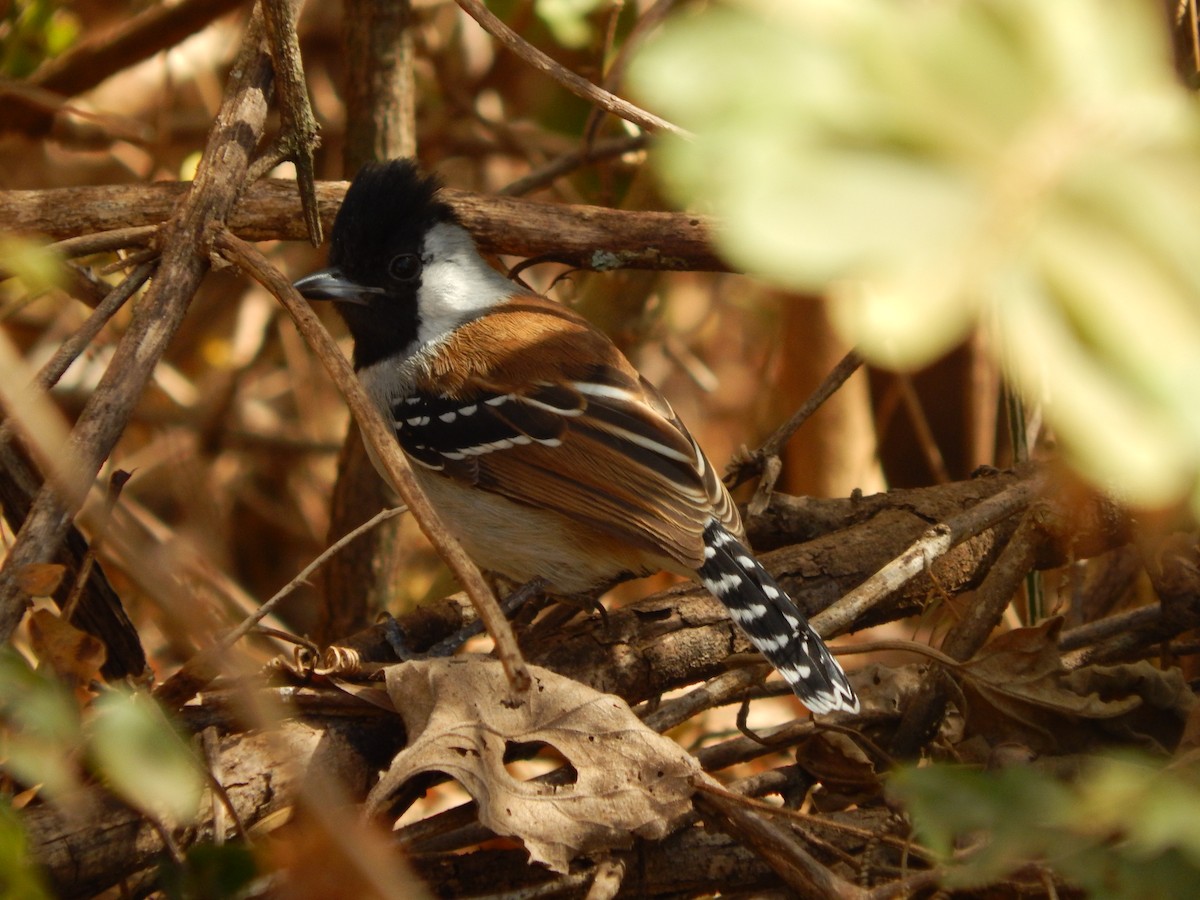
x=545, y=452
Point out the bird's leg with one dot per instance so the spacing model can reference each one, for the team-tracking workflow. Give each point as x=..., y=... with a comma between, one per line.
x=396, y=639
x=449, y=646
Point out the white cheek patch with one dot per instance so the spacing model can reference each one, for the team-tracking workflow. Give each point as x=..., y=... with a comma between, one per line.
x=456, y=283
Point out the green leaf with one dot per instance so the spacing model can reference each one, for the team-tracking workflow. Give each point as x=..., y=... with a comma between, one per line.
x=1006, y=817
x=1124, y=828
x=19, y=877
x=1027, y=168
x=568, y=20
x=209, y=871
x=38, y=267
x=41, y=724
x=139, y=753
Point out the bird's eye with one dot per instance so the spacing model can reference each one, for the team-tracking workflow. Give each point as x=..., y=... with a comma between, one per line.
x=404, y=266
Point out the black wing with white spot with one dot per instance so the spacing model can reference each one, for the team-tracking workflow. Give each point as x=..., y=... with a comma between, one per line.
x=450, y=434
x=773, y=623
x=603, y=448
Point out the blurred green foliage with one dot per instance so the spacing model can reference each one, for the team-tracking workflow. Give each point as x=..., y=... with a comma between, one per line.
x=1124, y=828
x=142, y=758
x=32, y=31
x=569, y=20
x=28, y=268
x=1028, y=168
x=19, y=877
x=209, y=871
x=41, y=729
x=45, y=741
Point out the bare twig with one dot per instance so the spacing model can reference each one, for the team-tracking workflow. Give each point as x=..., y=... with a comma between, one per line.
x=922, y=429
x=766, y=458
x=1075, y=642
x=647, y=22
x=98, y=56
x=723, y=689
x=70, y=349
x=568, y=162
x=200, y=669
x=140, y=37
x=300, y=134
x=578, y=86
x=920, y=556
x=779, y=848
x=105, y=241
x=967, y=635
x=589, y=237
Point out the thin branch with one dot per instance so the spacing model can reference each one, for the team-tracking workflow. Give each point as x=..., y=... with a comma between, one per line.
x=936, y=542
x=578, y=86
x=70, y=349
x=589, y=237
x=569, y=162
x=779, y=848
x=719, y=691
x=300, y=133
x=1076, y=640
x=647, y=22
x=105, y=241
x=766, y=458
x=98, y=56
x=967, y=636
x=380, y=438
x=922, y=429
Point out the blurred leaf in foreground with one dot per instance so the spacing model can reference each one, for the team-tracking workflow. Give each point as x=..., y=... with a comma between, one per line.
x=143, y=759
x=19, y=877
x=41, y=731
x=1124, y=828
x=35, y=264
x=1029, y=167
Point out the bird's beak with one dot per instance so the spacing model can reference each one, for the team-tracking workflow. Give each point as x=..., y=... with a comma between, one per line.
x=332, y=284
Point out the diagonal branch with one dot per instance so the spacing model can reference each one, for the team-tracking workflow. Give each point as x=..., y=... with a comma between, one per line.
x=185, y=241
x=578, y=86
x=378, y=436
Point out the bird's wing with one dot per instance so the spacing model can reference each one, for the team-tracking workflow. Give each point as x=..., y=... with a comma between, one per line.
x=542, y=409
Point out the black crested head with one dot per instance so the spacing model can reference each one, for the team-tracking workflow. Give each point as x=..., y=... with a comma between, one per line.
x=375, y=256
x=388, y=208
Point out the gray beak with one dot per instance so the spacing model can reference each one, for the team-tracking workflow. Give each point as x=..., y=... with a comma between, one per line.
x=332, y=284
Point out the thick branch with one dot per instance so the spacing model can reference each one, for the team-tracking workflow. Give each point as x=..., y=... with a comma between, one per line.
x=589, y=237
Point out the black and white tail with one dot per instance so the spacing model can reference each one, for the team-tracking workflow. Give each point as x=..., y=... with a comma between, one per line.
x=773, y=623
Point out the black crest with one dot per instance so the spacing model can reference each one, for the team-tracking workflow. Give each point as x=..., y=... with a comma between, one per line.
x=388, y=208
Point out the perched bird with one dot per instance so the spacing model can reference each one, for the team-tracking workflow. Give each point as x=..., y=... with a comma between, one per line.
x=543, y=449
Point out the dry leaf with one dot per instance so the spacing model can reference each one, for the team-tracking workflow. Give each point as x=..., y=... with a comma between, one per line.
x=1017, y=690
x=629, y=780
x=74, y=655
x=839, y=763
x=40, y=579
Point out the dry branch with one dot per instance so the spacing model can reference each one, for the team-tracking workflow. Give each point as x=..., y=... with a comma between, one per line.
x=185, y=241
x=379, y=436
x=578, y=86
x=589, y=237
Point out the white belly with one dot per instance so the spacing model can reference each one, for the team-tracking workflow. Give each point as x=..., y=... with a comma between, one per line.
x=520, y=542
